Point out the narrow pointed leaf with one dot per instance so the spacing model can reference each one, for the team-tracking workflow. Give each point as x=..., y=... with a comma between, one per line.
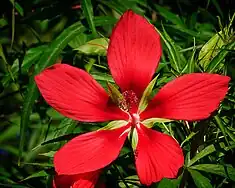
x=191, y=135
x=175, y=19
x=88, y=12
x=37, y=174
x=48, y=154
x=206, y=151
x=210, y=49
x=216, y=62
x=200, y=180
x=177, y=59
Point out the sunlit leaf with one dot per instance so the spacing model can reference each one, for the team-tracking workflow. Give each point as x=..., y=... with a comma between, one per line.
x=36, y=175
x=206, y=151
x=221, y=170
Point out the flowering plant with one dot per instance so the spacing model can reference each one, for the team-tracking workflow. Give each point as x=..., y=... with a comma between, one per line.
x=133, y=55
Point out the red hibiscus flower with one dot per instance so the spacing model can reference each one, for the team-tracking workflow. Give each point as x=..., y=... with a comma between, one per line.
x=133, y=55
x=87, y=180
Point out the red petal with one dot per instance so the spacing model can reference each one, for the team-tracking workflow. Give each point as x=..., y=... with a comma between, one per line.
x=75, y=94
x=90, y=151
x=86, y=180
x=157, y=156
x=189, y=97
x=134, y=52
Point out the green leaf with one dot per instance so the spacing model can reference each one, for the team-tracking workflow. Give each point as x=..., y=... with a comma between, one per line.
x=65, y=137
x=88, y=12
x=52, y=113
x=221, y=127
x=102, y=77
x=221, y=170
x=12, y=185
x=151, y=121
x=219, y=58
x=146, y=95
x=66, y=126
x=9, y=133
x=97, y=46
x=104, y=20
x=31, y=56
x=10, y=149
x=218, y=46
x=39, y=164
x=206, y=151
x=3, y=22
x=200, y=180
x=113, y=5
x=184, y=31
x=5, y=66
x=210, y=49
x=217, y=6
x=177, y=59
x=36, y=175
x=64, y=129
x=79, y=40
x=19, y=9
x=48, y=154
x=230, y=134
x=131, y=181
x=188, y=138
x=192, y=62
x=121, y=6
x=89, y=64
x=169, y=183
x=175, y=19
